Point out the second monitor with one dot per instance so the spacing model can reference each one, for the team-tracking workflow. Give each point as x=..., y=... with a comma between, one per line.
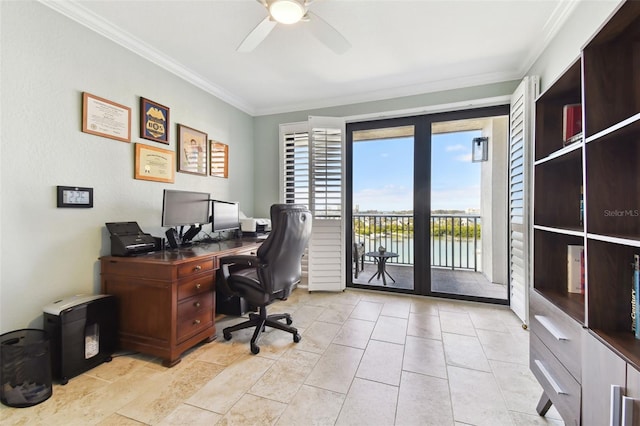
x=225, y=216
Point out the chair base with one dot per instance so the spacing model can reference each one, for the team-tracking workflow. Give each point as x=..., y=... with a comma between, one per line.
x=260, y=321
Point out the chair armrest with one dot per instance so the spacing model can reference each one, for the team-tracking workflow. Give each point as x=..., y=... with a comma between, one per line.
x=238, y=261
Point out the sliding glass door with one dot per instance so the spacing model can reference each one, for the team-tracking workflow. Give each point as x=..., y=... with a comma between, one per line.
x=381, y=206
x=424, y=216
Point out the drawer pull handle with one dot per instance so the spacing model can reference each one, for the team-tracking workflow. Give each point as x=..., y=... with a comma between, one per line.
x=548, y=325
x=549, y=378
x=197, y=268
x=615, y=409
x=627, y=411
x=196, y=304
x=198, y=285
x=196, y=322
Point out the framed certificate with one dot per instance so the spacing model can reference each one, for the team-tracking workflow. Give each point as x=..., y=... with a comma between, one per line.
x=102, y=117
x=154, y=164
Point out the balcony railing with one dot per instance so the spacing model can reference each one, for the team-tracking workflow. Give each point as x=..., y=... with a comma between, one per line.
x=454, y=239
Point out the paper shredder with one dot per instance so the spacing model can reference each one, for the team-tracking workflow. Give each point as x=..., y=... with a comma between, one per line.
x=83, y=333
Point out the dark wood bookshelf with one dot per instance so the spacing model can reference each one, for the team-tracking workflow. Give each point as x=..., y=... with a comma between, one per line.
x=605, y=167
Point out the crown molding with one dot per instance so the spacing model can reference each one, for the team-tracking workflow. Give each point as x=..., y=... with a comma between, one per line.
x=397, y=92
x=559, y=16
x=76, y=12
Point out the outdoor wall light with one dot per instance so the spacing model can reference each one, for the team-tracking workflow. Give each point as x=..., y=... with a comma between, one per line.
x=480, y=149
x=287, y=11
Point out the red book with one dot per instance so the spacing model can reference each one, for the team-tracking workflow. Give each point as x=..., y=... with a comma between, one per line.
x=571, y=123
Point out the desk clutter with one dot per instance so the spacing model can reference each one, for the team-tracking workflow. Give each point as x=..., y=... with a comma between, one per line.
x=255, y=226
x=127, y=239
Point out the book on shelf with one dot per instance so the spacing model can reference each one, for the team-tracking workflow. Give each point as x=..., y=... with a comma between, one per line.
x=635, y=296
x=571, y=123
x=575, y=269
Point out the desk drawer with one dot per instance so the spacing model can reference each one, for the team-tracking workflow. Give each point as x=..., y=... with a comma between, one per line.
x=195, y=267
x=559, y=332
x=194, y=315
x=199, y=285
x=558, y=384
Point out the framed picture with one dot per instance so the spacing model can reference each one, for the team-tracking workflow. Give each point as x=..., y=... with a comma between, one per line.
x=102, y=117
x=154, y=121
x=154, y=164
x=219, y=159
x=192, y=151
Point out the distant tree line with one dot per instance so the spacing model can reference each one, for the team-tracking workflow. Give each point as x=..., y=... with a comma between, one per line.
x=402, y=227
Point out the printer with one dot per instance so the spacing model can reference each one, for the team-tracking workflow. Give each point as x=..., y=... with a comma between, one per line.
x=127, y=239
x=255, y=226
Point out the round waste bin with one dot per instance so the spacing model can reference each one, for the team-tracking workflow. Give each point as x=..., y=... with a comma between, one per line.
x=25, y=368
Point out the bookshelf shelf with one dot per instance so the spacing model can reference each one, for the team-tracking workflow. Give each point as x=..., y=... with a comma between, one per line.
x=588, y=194
x=578, y=232
x=629, y=127
x=561, y=152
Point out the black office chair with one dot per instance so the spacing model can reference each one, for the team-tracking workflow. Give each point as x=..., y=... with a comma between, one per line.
x=271, y=274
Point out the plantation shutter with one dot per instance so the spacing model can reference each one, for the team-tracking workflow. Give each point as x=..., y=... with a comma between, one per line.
x=294, y=170
x=295, y=185
x=520, y=148
x=326, y=182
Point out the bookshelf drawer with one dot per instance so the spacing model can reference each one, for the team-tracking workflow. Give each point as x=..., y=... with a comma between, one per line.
x=559, y=332
x=558, y=384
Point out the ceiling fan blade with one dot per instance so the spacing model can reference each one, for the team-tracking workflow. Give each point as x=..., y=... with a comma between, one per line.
x=327, y=34
x=257, y=35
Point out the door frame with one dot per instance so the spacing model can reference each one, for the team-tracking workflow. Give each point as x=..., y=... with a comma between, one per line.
x=421, y=192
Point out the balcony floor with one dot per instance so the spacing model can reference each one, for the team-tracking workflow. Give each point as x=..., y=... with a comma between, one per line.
x=459, y=282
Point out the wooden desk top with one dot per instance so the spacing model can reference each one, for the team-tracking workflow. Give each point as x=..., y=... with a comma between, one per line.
x=185, y=254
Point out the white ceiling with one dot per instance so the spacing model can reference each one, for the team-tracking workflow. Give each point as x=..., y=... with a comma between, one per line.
x=399, y=47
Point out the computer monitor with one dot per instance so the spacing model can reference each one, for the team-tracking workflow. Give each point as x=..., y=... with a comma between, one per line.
x=225, y=216
x=185, y=208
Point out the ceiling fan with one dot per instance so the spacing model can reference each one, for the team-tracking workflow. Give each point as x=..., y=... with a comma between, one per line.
x=290, y=12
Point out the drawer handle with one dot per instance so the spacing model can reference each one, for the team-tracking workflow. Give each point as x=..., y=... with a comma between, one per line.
x=550, y=378
x=196, y=322
x=196, y=304
x=197, y=268
x=615, y=409
x=627, y=411
x=548, y=325
x=198, y=285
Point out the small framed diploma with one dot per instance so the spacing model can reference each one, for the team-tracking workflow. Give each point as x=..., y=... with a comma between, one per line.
x=75, y=196
x=102, y=117
x=154, y=164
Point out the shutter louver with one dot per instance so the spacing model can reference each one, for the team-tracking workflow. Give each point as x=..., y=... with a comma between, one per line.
x=327, y=246
x=296, y=168
x=520, y=140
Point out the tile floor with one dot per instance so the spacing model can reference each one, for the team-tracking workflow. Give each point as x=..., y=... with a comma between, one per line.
x=365, y=358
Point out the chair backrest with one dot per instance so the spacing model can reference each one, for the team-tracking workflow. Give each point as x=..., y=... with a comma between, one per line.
x=282, y=251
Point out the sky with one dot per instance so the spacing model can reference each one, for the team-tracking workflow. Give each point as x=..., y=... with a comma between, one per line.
x=383, y=174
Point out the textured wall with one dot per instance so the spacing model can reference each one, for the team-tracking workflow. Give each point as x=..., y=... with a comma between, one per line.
x=47, y=62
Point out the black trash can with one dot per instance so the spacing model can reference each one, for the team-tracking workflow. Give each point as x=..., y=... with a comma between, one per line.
x=25, y=368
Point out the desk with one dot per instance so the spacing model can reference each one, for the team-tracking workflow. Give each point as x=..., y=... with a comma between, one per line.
x=166, y=299
x=381, y=259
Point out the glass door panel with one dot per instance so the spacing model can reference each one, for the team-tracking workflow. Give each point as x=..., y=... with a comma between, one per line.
x=382, y=193
x=467, y=239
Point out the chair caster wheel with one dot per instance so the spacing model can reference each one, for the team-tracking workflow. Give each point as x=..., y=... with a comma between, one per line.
x=297, y=337
x=289, y=321
x=255, y=349
x=227, y=336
